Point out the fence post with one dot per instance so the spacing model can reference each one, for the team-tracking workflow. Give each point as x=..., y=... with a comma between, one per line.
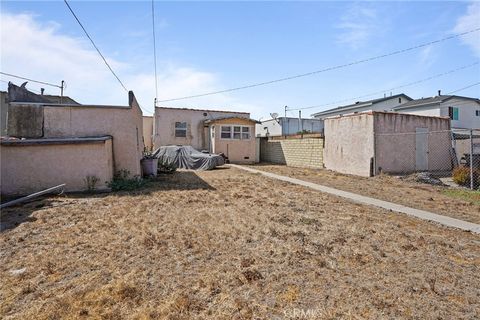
x=471, y=159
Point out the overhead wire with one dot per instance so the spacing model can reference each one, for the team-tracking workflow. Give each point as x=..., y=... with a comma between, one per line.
x=94, y=45
x=464, y=88
x=390, y=89
x=396, y=52
x=31, y=80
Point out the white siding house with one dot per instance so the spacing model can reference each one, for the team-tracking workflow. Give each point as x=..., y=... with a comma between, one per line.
x=381, y=104
x=283, y=126
x=464, y=112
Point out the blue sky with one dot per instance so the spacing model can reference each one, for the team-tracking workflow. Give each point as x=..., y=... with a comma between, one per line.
x=209, y=46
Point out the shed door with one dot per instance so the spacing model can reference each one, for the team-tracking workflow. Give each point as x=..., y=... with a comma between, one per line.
x=421, y=149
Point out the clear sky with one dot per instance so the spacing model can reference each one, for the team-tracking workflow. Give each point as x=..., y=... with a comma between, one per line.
x=209, y=46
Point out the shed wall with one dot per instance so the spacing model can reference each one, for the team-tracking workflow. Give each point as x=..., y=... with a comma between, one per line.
x=302, y=153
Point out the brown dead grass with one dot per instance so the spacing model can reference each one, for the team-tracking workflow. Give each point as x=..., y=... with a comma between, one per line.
x=389, y=188
x=226, y=244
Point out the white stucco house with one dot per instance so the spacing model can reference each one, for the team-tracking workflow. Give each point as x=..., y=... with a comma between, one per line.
x=464, y=112
x=283, y=126
x=381, y=104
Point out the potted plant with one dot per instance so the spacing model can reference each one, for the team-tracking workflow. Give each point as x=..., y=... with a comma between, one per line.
x=149, y=164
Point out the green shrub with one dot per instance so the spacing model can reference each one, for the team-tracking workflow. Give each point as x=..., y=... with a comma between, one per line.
x=164, y=167
x=123, y=182
x=461, y=176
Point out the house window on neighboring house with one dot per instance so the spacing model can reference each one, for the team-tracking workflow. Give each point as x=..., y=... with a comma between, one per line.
x=180, y=129
x=453, y=113
x=477, y=113
x=245, y=133
x=226, y=132
x=236, y=132
x=399, y=100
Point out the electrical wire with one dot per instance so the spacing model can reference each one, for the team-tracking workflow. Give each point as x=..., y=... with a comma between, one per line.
x=391, y=89
x=464, y=88
x=31, y=80
x=154, y=52
x=326, y=69
x=93, y=43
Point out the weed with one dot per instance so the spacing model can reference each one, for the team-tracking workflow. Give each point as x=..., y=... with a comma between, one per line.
x=123, y=182
x=91, y=183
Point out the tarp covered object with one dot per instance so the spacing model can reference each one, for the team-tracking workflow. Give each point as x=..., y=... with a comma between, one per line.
x=186, y=157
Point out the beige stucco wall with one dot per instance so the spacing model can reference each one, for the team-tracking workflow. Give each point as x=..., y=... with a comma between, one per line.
x=124, y=124
x=27, y=169
x=237, y=151
x=302, y=153
x=395, y=142
x=349, y=144
x=148, y=132
x=197, y=133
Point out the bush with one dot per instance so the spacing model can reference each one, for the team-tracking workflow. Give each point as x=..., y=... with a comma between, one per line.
x=461, y=176
x=123, y=182
x=164, y=167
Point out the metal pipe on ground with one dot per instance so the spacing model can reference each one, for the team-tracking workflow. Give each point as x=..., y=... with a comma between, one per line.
x=32, y=196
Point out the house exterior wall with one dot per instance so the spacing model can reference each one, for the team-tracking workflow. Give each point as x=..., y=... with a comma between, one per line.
x=467, y=119
x=288, y=126
x=395, y=142
x=124, y=124
x=386, y=105
x=302, y=153
x=29, y=168
x=148, y=132
x=197, y=133
x=349, y=144
x=237, y=151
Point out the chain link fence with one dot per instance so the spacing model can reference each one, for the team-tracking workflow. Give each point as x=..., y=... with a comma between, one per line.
x=452, y=155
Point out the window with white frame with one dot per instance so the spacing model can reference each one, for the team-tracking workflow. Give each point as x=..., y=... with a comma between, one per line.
x=180, y=129
x=235, y=132
x=226, y=132
x=245, y=133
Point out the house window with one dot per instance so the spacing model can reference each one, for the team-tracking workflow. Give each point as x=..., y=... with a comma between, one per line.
x=453, y=113
x=236, y=132
x=245, y=133
x=226, y=132
x=180, y=129
x=399, y=100
x=477, y=113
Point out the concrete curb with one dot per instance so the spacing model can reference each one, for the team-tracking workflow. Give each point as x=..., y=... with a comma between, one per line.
x=425, y=215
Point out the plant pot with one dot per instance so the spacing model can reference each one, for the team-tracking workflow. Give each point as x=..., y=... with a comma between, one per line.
x=149, y=167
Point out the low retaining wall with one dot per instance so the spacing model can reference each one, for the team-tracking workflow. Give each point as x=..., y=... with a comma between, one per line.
x=303, y=153
x=28, y=166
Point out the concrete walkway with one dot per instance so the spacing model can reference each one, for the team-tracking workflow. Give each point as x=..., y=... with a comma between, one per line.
x=425, y=215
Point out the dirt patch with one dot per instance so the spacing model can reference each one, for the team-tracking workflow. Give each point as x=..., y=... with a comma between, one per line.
x=423, y=196
x=232, y=245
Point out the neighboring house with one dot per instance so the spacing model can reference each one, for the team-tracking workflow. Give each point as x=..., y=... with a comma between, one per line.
x=464, y=112
x=51, y=143
x=229, y=132
x=3, y=112
x=148, y=132
x=381, y=104
x=369, y=143
x=284, y=126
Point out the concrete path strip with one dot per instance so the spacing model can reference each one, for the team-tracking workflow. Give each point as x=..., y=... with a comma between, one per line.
x=425, y=215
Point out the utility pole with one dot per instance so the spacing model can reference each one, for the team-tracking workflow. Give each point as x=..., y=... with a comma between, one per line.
x=62, y=86
x=300, y=121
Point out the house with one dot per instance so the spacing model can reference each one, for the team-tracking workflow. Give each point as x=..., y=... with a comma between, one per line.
x=369, y=143
x=54, y=143
x=380, y=104
x=3, y=112
x=228, y=132
x=283, y=126
x=464, y=112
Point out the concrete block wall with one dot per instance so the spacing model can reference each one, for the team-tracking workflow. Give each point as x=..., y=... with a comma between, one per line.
x=303, y=153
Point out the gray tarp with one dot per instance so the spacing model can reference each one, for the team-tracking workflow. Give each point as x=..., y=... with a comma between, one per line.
x=186, y=157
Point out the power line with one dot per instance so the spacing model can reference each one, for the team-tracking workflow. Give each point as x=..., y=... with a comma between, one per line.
x=464, y=88
x=23, y=78
x=154, y=52
x=93, y=43
x=392, y=89
x=326, y=69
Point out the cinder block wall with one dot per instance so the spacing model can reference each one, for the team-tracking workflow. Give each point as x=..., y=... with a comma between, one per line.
x=303, y=153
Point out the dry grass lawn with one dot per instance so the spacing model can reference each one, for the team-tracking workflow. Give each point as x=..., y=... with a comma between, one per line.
x=227, y=244
x=443, y=200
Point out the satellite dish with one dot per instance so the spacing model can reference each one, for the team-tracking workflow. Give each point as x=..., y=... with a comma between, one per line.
x=274, y=115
